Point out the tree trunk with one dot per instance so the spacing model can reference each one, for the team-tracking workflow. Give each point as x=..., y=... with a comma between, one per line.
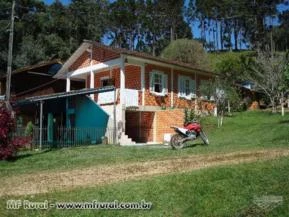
x=221, y=35
x=216, y=112
x=236, y=34
x=229, y=107
x=216, y=35
x=273, y=106
x=282, y=105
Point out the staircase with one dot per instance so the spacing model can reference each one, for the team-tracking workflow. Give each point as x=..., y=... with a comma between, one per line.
x=125, y=141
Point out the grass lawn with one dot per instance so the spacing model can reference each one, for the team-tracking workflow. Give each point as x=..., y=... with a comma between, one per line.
x=221, y=191
x=243, y=131
x=217, y=191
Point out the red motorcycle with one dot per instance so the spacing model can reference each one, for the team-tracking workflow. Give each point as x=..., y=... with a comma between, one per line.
x=191, y=131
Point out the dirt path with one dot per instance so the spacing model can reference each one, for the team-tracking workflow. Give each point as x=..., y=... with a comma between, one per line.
x=92, y=176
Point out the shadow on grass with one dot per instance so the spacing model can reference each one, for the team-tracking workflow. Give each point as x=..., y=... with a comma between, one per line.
x=194, y=145
x=284, y=122
x=26, y=155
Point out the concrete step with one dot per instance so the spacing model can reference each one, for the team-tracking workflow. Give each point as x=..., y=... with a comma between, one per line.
x=125, y=140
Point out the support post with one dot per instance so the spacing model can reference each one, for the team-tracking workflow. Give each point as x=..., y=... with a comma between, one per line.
x=172, y=87
x=67, y=84
x=122, y=92
x=143, y=84
x=41, y=125
x=196, y=102
x=91, y=73
x=122, y=81
x=114, y=117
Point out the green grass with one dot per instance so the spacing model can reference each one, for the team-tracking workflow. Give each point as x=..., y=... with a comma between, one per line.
x=222, y=191
x=243, y=131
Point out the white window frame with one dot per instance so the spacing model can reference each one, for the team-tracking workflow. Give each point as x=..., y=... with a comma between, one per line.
x=164, y=83
x=182, y=89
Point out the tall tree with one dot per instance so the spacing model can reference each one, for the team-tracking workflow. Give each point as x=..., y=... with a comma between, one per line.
x=239, y=20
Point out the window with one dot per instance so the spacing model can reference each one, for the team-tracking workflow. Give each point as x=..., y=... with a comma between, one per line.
x=158, y=83
x=106, y=81
x=186, y=87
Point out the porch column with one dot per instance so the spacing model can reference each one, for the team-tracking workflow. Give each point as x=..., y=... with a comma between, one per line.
x=143, y=84
x=172, y=87
x=122, y=81
x=67, y=84
x=40, y=125
x=122, y=89
x=91, y=83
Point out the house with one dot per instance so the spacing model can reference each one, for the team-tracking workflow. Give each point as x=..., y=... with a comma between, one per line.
x=35, y=80
x=152, y=92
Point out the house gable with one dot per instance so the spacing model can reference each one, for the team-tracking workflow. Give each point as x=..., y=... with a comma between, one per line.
x=99, y=55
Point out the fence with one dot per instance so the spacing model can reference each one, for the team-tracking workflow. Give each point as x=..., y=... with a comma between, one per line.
x=67, y=137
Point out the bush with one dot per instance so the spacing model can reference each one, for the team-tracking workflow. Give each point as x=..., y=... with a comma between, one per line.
x=189, y=115
x=29, y=129
x=8, y=144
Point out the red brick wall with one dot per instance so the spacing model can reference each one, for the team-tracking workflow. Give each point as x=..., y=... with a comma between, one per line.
x=133, y=77
x=153, y=100
x=133, y=80
x=98, y=55
x=165, y=119
x=114, y=74
x=140, y=125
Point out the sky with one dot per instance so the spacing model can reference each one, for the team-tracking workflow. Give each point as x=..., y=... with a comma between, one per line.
x=63, y=1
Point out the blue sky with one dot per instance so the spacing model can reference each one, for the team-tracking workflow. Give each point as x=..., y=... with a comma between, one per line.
x=51, y=1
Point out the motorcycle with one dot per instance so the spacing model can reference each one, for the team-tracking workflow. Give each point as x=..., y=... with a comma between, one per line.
x=191, y=131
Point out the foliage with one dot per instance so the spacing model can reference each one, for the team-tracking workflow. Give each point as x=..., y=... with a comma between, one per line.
x=187, y=51
x=240, y=21
x=44, y=32
x=29, y=129
x=226, y=97
x=268, y=74
x=146, y=25
x=8, y=145
x=189, y=115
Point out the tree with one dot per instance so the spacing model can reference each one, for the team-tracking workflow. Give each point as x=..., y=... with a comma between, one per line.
x=239, y=21
x=268, y=74
x=8, y=144
x=187, y=51
x=224, y=95
x=146, y=26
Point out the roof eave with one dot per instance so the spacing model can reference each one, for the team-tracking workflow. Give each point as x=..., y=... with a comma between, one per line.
x=65, y=68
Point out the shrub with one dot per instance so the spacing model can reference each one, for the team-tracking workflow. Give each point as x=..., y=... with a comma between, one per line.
x=29, y=129
x=8, y=144
x=189, y=115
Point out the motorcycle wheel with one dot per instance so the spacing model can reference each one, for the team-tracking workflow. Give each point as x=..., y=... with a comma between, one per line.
x=175, y=141
x=204, y=137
